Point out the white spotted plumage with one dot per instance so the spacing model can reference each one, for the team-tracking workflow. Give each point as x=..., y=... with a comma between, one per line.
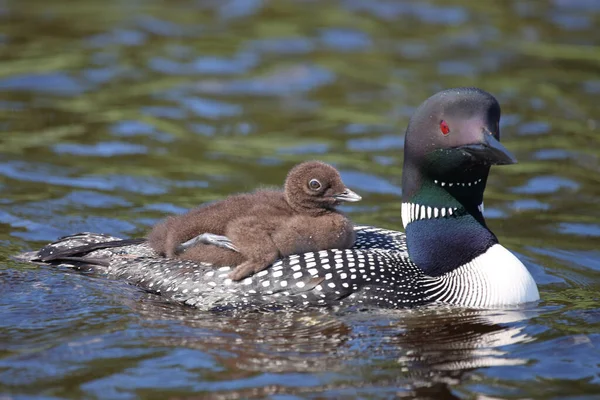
x=376, y=271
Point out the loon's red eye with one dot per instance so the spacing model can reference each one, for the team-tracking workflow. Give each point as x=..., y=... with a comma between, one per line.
x=444, y=128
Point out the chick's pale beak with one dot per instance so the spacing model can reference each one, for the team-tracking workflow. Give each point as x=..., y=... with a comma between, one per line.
x=347, y=195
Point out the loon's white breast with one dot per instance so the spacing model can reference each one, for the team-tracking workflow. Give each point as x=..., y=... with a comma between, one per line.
x=496, y=278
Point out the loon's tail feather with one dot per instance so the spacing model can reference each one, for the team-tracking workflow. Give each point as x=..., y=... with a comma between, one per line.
x=50, y=253
x=87, y=261
x=70, y=245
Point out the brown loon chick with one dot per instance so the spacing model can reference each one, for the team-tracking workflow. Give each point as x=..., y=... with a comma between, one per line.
x=253, y=230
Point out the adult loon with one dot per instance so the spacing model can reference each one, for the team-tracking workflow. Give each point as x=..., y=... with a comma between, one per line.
x=263, y=226
x=447, y=256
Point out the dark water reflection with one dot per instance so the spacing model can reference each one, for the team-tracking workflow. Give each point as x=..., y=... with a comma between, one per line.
x=113, y=114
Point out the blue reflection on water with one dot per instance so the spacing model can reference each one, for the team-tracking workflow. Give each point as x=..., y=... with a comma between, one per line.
x=102, y=149
x=57, y=83
x=546, y=184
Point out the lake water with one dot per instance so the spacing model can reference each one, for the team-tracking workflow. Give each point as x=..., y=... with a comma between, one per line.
x=114, y=114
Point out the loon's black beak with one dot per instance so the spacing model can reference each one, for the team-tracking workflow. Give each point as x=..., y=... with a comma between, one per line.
x=489, y=151
x=347, y=195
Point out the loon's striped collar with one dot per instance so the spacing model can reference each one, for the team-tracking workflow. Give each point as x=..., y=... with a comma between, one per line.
x=412, y=212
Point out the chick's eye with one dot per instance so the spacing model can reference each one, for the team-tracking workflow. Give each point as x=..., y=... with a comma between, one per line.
x=314, y=184
x=444, y=127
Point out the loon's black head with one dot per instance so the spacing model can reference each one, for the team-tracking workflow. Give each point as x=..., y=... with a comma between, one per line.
x=314, y=186
x=451, y=142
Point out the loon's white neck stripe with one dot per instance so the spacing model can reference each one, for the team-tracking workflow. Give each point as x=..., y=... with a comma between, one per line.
x=495, y=278
x=412, y=212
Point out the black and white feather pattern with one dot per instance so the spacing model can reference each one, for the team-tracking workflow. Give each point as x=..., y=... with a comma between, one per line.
x=377, y=271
